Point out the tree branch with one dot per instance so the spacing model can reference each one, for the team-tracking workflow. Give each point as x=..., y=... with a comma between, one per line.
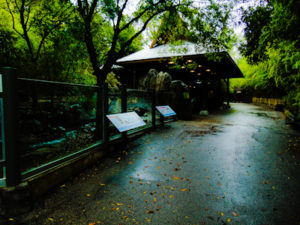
x=24, y=27
x=27, y=19
x=120, y=14
x=92, y=9
x=127, y=43
x=140, y=15
x=13, y=19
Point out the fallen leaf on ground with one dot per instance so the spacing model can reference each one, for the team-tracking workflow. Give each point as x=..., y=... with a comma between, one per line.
x=51, y=219
x=176, y=178
x=235, y=214
x=92, y=223
x=154, y=200
x=119, y=204
x=183, y=189
x=158, y=167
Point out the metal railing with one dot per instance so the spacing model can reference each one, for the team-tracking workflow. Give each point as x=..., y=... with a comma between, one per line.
x=77, y=110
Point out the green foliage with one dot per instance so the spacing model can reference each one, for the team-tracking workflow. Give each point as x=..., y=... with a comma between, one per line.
x=109, y=8
x=113, y=80
x=255, y=19
x=210, y=26
x=272, y=36
x=206, y=25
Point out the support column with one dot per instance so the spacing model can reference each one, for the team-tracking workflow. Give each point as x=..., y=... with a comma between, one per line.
x=227, y=84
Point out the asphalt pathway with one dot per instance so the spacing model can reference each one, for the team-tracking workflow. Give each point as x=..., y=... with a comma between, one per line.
x=236, y=167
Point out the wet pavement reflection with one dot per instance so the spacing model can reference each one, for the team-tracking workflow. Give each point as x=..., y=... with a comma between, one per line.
x=234, y=167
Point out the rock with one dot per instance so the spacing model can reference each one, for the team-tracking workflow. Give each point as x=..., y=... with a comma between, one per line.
x=163, y=81
x=158, y=81
x=31, y=126
x=150, y=79
x=178, y=86
x=61, y=128
x=140, y=111
x=203, y=113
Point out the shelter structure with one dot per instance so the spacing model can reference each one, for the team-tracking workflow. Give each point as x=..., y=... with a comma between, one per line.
x=188, y=62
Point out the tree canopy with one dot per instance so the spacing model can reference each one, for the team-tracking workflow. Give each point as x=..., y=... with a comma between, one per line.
x=271, y=48
x=81, y=40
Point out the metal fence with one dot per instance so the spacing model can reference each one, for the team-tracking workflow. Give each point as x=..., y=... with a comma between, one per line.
x=46, y=123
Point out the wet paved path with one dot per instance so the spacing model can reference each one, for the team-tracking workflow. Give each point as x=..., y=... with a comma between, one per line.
x=239, y=167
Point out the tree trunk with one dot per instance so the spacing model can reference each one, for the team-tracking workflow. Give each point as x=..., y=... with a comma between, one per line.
x=100, y=80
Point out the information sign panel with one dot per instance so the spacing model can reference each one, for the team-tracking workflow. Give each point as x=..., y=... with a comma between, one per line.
x=126, y=121
x=165, y=110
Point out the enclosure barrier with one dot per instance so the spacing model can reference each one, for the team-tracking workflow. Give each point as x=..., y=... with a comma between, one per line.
x=272, y=102
x=45, y=124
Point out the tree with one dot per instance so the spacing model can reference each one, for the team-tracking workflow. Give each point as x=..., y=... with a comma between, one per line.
x=50, y=17
x=255, y=20
x=272, y=43
x=35, y=26
x=115, y=12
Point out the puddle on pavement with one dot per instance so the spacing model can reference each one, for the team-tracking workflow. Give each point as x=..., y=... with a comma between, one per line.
x=261, y=114
x=200, y=132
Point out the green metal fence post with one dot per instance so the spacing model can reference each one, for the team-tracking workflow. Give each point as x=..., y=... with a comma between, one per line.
x=104, y=113
x=153, y=109
x=99, y=115
x=124, y=105
x=9, y=88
